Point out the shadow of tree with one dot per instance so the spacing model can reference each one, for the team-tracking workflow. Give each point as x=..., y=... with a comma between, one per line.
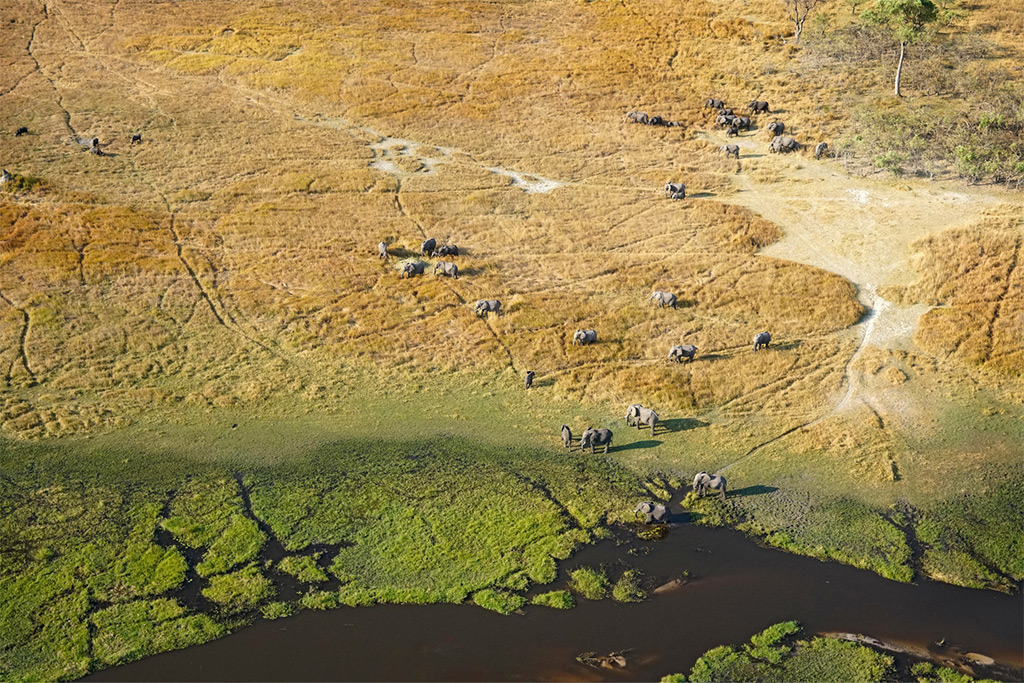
x=682, y=424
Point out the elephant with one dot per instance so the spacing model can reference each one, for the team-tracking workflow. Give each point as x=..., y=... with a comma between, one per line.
x=636, y=117
x=446, y=250
x=136, y=139
x=821, y=150
x=664, y=299
x=485, y=306
x=681, y=351
x=411, y=268
x=382, y=251
x=596, y=437
x=782, y=143
x=21, y=131
x=428, y=246
x=655, y=121
x=648, y=417
x=5, y=177
x=94, y=147
x=675, y=190
x=776, y=128
x=448, y=269
x=761, y=340
x=704, y=481
x=724, y=111
x=567, y=437
x=712, y=103
x=733, y=132
x=756, y=106
x=632, y=414
x=530, y=374
x=652, y=512
x=742, y=122
x=724, y=120
x=584, y=337
x=730, y=150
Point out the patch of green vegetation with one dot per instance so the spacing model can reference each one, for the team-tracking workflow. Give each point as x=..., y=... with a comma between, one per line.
x=829, y=660
x=590, y=583
x=134, y=630
x=303, y=567
x=926, y=672
x=628, y=588
x=278, y=610
x=239, y=591
x=555, y=599
x=765, y=645
x=321, y=600
x=499, y=601
x=22, y=183
x=674, y=678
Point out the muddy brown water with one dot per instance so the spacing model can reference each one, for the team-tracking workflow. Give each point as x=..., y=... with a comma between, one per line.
x=737, y=588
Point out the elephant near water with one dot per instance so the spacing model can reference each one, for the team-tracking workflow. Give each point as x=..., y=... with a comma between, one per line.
x=664, y=299
x=596, y=437
x=681, y=351
x=584, y=337
x=761, y=340
x=410, y=268
x=567, y=437
x=485, y=306
x=704, y=482
x=448, y=269
x=652, y=512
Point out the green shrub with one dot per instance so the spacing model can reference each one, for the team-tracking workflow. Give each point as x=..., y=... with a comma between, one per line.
x=627, y=588
x=829, y=660
x=555, y=599
x=499, y=601
x=321, y=600
x=277, y=610
x=239, y=591
x=590, y=583
x=303, y=567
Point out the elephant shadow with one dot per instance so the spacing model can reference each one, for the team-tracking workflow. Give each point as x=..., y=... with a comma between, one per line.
x=699, y=195
x=683, y=424
x=757, y=490
x=683, y=517
x=646, y=443
x=472, y=270
x=787, y=345
x=752, y=156
x=401, y=253
x=708, y=357
x=547, y=382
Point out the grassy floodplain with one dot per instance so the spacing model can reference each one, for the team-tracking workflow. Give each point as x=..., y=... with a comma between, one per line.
x=212, y=388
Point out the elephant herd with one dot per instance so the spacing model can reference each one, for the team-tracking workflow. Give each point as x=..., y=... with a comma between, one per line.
x=733, y=123
x=589, y=438
x=703, y=483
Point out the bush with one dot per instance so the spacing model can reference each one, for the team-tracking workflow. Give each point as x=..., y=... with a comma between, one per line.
x=627, y=588
x=590, y=583
x=239, y=591
x=499, y=601
x=555, y=599
x=277, y=610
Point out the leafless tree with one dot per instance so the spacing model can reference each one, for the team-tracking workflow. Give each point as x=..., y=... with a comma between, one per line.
x=797, y=11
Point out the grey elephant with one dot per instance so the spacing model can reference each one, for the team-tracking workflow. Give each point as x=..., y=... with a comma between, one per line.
x=655, y=121
x=382, y=251
x=596, y=437
x=725, y=111
x=485, y=306
x=5, y=177
x=446, y=250
x=742, y=122
x=733, y=132
x=567, y=436
x=648, y=417
x=756, y=106
x=761, y=340
x=776, y=128
x=530, y=374
x=664, y=299
x=136, y=139
x=410, y=268
x=821, y=150
x=447, y=268
x=675, y=190
x=681, y=351
x=712, y=103
x=632, y=414
x=636, y=117
x=584, y=337
x=703, y=482
x=428, y=246
x=652, y=512
x=783, y=143
x=21, y=131
x=724, y=120
x=730, y=151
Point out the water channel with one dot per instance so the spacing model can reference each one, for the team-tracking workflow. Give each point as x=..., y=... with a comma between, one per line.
x=736, y=589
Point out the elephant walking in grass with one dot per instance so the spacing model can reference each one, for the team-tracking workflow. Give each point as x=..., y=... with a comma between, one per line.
x=761, y=340
x=632, y=414
x=596, y=437
x=704, y=482
x=783, y=143
x=530, y=374
x=821, y=150
x=485, y=306
x=428, y=246
x=664, y=299
x=636, y=117
x=757, y=107
x=647, y=417
x=446, y=250
x=776, y=128
x=713, y=103
x=411, y=268
x=651, y=512
x=730, y=151
x=681, y=351
x=448, y=269
x=675, y=190
x=584, y=337
x=382, y=251
x=567, y=437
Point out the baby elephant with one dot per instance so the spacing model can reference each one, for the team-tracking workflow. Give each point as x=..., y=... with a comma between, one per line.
x=821, y=150
x=681, y=351
x=651, y=512
x=761, y=340
x=567, y=437
x=448, y=269
x=675, y=190
x=596, y=437
x=446, y=250
x=584, y=337
x=412, y=268
x=664, y=299
x=485, y=306
x=730, y=151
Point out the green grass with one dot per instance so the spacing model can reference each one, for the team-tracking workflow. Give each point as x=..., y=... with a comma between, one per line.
x=555, y=599
x=590, y=583
x=502, y=602
x=628, y=588
x=303, y=567
x=239, y=591
x=278, y=610
x=133, y=630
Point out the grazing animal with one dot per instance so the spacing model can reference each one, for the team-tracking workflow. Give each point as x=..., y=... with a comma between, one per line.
x=21, y=131
x=567, y=437
x=485, y=306
x=655, y=121
x=821, y=150
x=428, y=246
x=530, y=374
x=632, y=414
x=681, y=351
x=724, y=120
x=584, y=337
x=776, y=128
x=651, y=512
x=675, y=190
x=648, y=417
x=742, y=122
x=783, y=143
x=756, y=106
x=732, y=132
x=761, y=340
x=712, y=103
x=724, y=111
x=448, y=269
x=636, y=117
x=382, y=251
x=446, y=250
x=135, y=139
x=664, y=299
x=411, y=268
x=596, y=437
x=730, y=150
x=5, y=177
x=704, y=481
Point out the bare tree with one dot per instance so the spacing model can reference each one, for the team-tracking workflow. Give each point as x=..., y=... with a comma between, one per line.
x=797, y=11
